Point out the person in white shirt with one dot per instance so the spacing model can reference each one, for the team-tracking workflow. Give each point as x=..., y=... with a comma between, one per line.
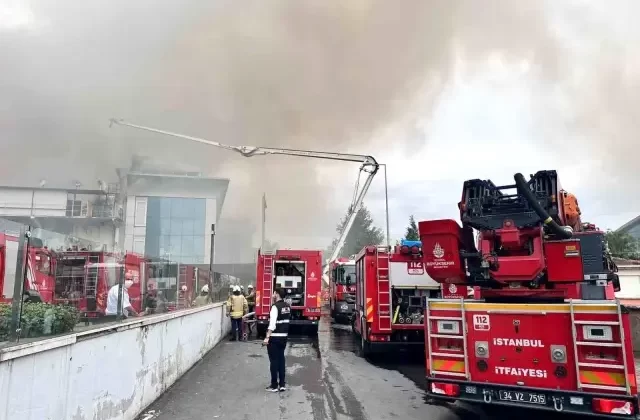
x=112, y=300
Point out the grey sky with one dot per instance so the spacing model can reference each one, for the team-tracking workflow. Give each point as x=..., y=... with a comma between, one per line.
x=407, y=84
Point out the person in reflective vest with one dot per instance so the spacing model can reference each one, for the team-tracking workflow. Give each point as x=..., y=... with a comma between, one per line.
x=251, y=298
x=276, y=340
x=236, y=307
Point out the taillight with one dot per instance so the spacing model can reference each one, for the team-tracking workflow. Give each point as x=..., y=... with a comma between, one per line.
x=450, y=390
x=605, y=405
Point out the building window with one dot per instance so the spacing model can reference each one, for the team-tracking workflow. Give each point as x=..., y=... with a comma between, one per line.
x=176, y=228
x=140, y=216
x=74, y=208
x=138, y=246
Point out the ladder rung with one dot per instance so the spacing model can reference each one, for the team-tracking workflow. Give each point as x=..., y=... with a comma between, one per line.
x=604, y=387
x=457, y=337
x=440, y=372
x=583, y=322
x=446, y=318
x=459, y=356
x=597, y=344
x=600, y=365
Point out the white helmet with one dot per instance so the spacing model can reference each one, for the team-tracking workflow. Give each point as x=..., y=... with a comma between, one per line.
x=184, y=288
x=250, y=286
x=205, y=288
x=236, y=288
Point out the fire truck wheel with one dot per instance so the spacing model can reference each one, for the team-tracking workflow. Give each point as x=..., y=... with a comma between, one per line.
x=261, y=331
x=364, y=346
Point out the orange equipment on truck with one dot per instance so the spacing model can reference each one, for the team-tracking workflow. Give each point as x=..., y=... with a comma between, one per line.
x=342, y=288
x=391, y=289
x=545, y=331
x=298, y=273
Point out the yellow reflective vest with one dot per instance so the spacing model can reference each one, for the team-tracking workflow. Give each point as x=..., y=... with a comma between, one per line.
x=237, y=306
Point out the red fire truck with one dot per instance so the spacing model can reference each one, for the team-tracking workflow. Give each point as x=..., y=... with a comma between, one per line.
x=546, y=331
x=39, y=282
x=299, y=273
x=342, y=288
x=391, y=289
x=179, y=283
x=83, y=279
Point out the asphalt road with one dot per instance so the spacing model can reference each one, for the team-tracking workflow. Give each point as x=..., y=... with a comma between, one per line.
x=327, y=379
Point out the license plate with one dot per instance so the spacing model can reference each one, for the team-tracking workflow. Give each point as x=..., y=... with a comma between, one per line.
x=524, y=397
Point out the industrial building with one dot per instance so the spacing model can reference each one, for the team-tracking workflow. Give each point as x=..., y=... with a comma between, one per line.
x=150, y=210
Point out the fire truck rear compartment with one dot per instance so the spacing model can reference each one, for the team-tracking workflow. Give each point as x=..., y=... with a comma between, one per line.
x=290, y=276
x=73, y=283
x=527, y=355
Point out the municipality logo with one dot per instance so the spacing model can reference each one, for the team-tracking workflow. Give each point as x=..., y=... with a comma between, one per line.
x=438, y=252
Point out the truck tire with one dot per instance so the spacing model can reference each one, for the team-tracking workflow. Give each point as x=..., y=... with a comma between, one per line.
x=364, y=347
x=261, y=331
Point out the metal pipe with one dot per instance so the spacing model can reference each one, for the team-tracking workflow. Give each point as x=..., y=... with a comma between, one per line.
x=386, y=204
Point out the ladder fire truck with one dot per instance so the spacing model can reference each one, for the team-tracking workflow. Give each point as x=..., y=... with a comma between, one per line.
x=391, y=288
x=368, y=165
x=546, y=331
x=342, y=288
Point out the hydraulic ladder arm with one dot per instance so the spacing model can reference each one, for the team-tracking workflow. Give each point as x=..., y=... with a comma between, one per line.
x=368, y=165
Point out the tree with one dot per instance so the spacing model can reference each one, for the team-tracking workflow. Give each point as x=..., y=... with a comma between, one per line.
x=363, y=232
x=412, y=230
x=622, y=245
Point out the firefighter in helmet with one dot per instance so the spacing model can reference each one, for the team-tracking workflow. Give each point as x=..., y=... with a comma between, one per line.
x=236, y=308
x=203, y=298
x=251, y=298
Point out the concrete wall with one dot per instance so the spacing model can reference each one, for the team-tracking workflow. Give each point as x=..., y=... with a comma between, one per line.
x=629, y=282
x=112, y=373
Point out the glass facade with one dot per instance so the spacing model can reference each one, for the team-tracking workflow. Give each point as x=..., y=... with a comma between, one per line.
x=176, y=228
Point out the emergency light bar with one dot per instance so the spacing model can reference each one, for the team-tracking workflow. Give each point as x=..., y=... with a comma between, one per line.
x=410, y=244
x=288, y=257
x=410, y=247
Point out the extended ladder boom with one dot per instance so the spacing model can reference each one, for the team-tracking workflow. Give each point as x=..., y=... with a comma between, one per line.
x=368, y=165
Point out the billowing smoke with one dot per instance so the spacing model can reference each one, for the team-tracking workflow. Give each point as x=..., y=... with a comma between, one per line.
x=316, y=74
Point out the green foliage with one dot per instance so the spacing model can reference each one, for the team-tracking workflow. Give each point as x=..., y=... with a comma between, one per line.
x=412, y=230
x=39, y=319
x=623, y=245
x=363, y=232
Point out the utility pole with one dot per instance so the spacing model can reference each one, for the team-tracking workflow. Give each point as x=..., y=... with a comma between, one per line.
x=264, y=220
x=212, y=247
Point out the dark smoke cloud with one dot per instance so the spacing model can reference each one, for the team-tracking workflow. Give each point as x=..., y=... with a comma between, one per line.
x=307, y=74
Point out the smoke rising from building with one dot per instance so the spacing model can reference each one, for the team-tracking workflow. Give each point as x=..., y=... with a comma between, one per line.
x=336, y=76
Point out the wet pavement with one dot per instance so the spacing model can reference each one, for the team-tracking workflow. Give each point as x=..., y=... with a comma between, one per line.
x=327, y=379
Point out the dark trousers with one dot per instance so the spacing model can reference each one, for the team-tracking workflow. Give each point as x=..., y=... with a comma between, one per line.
x=236, y=327
x=277, y=361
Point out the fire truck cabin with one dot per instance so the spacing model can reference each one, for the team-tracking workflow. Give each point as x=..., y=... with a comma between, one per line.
x=342, y=288
x=391, y=289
